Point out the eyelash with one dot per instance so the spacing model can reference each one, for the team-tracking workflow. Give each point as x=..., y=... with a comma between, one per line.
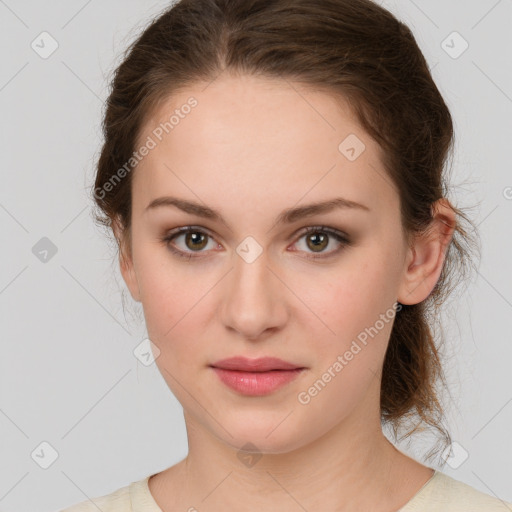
x=337, y=235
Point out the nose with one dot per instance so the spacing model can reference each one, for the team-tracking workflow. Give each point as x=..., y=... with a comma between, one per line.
x=254, y=302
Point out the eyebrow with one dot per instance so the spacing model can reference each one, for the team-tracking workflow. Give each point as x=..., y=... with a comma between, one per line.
x=287, y=216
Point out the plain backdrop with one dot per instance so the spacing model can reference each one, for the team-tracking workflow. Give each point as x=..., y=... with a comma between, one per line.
x=80, y=416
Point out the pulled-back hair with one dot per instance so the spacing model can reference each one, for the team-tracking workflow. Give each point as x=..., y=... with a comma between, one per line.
x=352, y=49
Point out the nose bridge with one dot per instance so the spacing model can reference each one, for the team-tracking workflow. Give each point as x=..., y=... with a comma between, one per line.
x=251, y=275
x=252, y=301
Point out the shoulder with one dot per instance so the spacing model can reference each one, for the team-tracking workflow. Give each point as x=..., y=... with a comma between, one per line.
x=116, y=501
x=446, y=494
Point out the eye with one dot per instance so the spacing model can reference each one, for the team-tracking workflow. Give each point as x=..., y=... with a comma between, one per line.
x=196, y=239
x=318, y=238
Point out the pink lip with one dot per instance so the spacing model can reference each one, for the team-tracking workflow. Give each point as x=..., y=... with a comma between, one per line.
x=262, y=364
x=255, y=377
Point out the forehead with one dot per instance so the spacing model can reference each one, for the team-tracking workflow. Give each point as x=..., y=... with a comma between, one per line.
x=262, y=140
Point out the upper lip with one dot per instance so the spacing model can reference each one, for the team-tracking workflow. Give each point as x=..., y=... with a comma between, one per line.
x=261, y=364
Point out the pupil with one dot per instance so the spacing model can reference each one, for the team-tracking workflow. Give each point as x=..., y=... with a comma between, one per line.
x=196, y=237
x=319, y=239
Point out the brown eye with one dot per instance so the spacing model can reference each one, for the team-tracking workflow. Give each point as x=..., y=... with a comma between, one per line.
x=318, y=238
x=317, y=241
x=195, y=240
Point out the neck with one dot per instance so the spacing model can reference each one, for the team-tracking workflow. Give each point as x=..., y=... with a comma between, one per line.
x=351, y=467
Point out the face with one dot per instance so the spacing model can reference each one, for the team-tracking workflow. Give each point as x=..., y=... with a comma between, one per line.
x=255, y=283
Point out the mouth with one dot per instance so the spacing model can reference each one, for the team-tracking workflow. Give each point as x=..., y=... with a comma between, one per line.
x=262, y=364
x=256, y=377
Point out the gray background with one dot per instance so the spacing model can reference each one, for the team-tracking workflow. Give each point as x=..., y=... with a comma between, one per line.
x=68, y=373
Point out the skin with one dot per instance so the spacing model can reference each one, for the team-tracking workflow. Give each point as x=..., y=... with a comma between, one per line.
x=251, y=149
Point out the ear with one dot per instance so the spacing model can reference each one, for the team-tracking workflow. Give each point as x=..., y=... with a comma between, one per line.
x=426, y=256
x=126, y=261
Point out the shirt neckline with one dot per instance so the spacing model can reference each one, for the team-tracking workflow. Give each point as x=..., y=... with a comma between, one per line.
x=421, y=491
x=143, y=501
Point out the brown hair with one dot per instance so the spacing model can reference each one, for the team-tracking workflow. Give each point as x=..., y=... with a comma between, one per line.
x=354, y=49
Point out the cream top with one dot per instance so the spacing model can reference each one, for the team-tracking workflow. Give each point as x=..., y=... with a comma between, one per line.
x=441, y=493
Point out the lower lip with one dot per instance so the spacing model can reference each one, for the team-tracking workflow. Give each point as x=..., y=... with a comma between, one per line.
x=256, y=383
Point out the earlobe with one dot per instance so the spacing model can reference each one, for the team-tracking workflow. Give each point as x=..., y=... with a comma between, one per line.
x=126, y=262
x=427, y=255
x=128, y=273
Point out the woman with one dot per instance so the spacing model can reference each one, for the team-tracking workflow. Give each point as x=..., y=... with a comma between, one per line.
x=273, y=174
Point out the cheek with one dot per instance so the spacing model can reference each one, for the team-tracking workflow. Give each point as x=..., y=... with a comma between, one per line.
x=171, y=311
x=170, y=298
x=174, y=302
x=352, y=288
x=355, y=303
x=357, y=306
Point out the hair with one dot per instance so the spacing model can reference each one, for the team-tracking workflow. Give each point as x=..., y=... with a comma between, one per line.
x=355, y=50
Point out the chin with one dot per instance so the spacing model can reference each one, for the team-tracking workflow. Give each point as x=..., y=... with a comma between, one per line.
x=272, y=437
